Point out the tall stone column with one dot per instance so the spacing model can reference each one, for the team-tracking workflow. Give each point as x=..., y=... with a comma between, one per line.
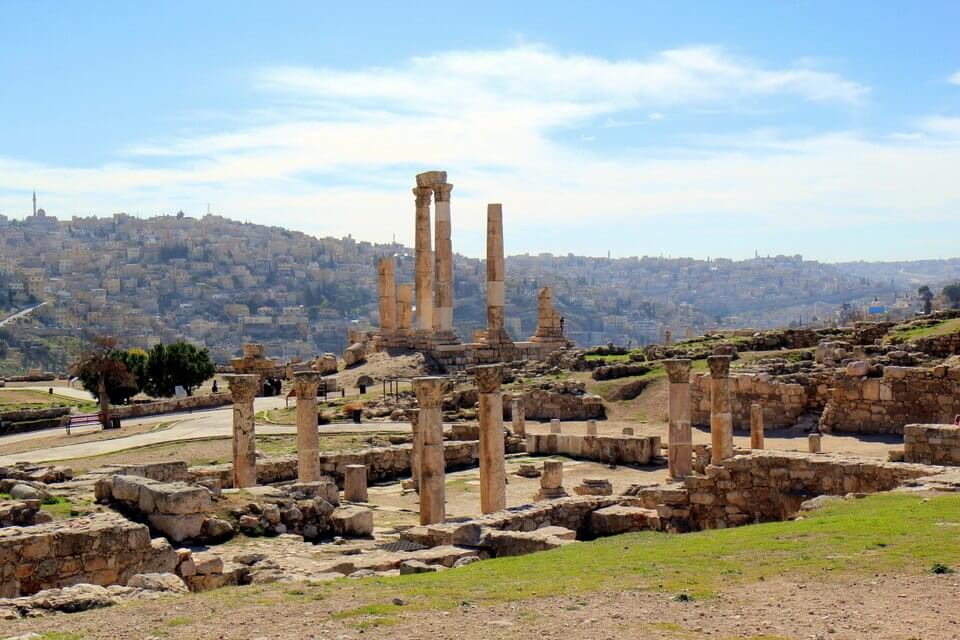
x=518, y=415
x=680, y=443
x=443, y=260
x=308, y=441
x=496, y=289
x=404, y=308
x=423, y=261
x=386, y=296
x=243, y=388
x=432, y=463
x=493, y=474
x=756, y=426
x=721, y=418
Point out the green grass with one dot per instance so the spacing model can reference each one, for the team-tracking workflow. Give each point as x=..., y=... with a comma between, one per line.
x=15, y=399
x=614, y=359
x=58, y=507
x=884, y=533
x=908, y=334
x=59, y=635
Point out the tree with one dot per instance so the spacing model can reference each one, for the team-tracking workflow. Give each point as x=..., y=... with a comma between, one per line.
x=925, y=294
x=101, y=369
x=951, y=293
x=176, y=364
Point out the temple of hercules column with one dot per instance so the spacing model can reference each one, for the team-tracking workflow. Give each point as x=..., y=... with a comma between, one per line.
x=420, y=315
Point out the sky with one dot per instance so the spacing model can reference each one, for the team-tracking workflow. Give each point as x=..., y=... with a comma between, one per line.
x=703, y=129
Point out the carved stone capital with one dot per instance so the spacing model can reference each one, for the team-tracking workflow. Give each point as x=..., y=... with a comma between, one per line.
x=441, y=192
x=423, y=196
x=243, y=386
x=305, y=383
x=429, y=391
x=488, y=377
x=678, y=370
x=719, y=366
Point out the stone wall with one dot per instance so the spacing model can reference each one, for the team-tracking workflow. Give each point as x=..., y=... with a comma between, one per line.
x=20, y=513
x=102, y=549
x=931, y=444
x=770, y=485
x=939, y=346
x=540, y=404
x=904, y=395
x=383, y=464
x=173, y=405
x=606, y=449
x=783, y=403
x=29, y=415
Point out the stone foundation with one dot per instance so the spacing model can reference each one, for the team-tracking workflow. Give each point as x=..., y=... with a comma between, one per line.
x=174, y=405
x=783, y=403
x=931, y=444
x=101, y=550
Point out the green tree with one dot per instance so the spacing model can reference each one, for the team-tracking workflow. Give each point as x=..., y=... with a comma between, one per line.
x=103, y=373
x=176, y=364
x=951, y=293
x=925, y=294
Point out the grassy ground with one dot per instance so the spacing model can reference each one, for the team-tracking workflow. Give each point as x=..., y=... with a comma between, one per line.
x=888, y=533
x=19, y=399
x=899, y=336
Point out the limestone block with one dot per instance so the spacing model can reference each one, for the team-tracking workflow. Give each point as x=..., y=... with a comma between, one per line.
x=352, y=521
x=618, y=519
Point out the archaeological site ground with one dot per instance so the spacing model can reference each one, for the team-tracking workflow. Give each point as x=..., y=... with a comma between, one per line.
x=769, y=485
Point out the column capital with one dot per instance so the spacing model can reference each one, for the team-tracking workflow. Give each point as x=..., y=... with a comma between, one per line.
x=678, y=370
x=441, y=192
x=719, y=366
x=243, y=386
x=305, y=383
x=429, y=391
x=488, y=377
x=423, y=196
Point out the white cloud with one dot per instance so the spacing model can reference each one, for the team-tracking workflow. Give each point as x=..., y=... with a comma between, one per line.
x=339, y=149
x=955, y=78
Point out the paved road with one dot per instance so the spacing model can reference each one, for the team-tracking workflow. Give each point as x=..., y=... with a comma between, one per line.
x=21, y=314
x=190, y=426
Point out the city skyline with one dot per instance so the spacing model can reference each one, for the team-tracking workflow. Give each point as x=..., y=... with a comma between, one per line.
x=682, y=131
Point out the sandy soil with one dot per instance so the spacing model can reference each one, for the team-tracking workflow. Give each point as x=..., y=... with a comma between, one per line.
x=77, y=438
x=847, y=607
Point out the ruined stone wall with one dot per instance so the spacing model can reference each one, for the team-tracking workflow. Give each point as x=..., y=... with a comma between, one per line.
x=571, y=513
x=102, y=549
x=904, y=395
x=606, y=449
x=19, y=513
x=783, y=403
x=931, y=444
x=939, y=346
x=770, y=485
x=383, y=464
x=541, y=404
x=173, y=405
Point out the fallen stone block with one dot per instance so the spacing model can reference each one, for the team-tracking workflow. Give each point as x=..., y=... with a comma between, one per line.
x=619, y=519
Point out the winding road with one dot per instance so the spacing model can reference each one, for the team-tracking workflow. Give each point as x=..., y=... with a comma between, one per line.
x=21, y=314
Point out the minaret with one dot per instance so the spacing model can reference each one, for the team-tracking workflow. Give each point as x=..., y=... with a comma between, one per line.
x=34, y=203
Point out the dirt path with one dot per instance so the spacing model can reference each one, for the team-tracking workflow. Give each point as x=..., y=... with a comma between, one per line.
x=844, y=607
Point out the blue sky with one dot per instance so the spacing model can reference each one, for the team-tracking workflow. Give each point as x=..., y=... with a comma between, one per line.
x=681, y=128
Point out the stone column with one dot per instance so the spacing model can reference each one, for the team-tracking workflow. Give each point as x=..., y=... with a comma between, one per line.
x=386, y=295
x=496, y=291
x=518, y=414
x=493, y=474
x=423, y=261
x=308, y=442
x=551, y=482
x=355, y=483
x=680, y=443
x=415, y=447
x=756, y=426
x=721, y=419
x=667, y=336
x=443, y=259
x=555, y=425
x=243, y=388
x=432, y=464
x=813, y=443
x=404, y=308
x=591, y=427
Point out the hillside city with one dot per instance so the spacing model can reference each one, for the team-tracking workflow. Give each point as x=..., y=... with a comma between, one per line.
x=218, y=283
